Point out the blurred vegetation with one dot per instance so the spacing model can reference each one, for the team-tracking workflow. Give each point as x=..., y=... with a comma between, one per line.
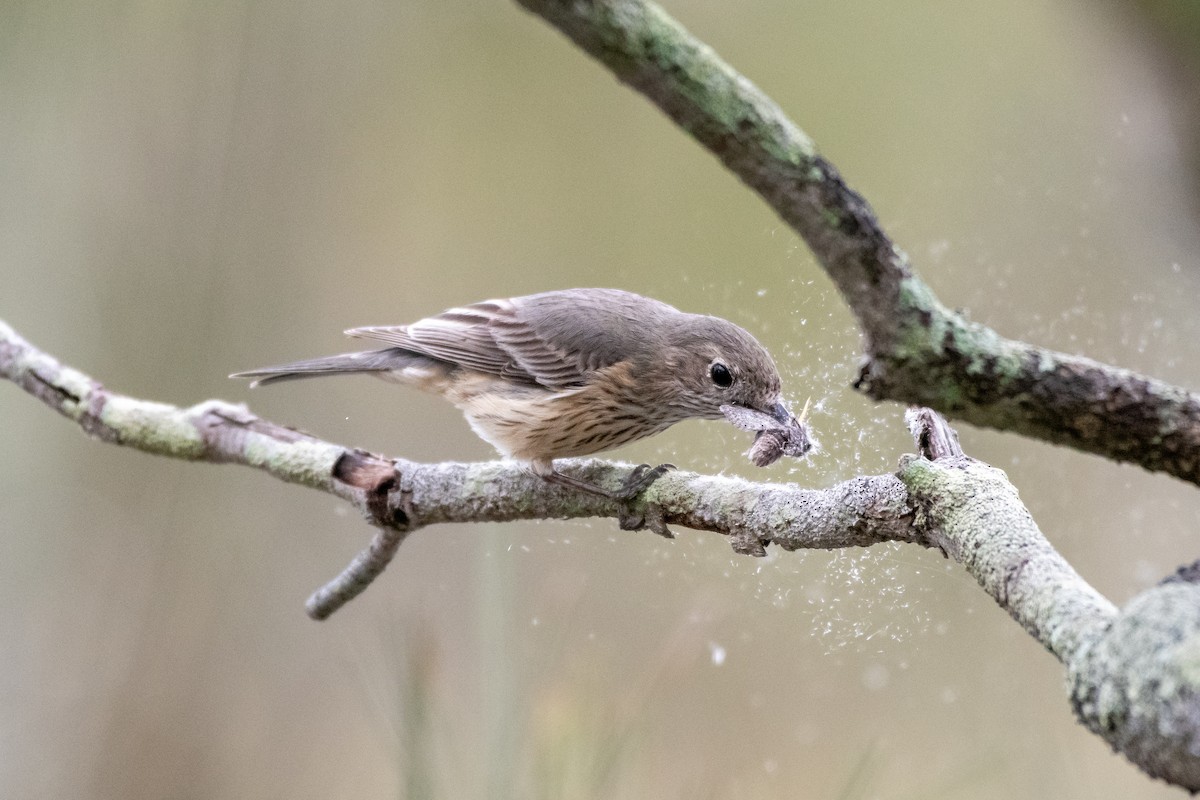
x=196, y=188
x=1172, y=28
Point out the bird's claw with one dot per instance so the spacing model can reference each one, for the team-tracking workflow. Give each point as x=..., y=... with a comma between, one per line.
x=632, y=515
x=648, y=518
x=641, y=479
x=645, y=516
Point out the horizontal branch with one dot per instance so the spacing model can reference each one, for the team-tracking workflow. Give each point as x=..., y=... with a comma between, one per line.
x=943, y=499
x=918, y=350
x=401, y=495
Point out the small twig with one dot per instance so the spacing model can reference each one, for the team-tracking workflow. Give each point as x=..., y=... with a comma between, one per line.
x=357, y=576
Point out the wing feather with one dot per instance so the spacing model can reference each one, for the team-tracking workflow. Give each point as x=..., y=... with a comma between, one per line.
x=546, y=339
x=458, y=336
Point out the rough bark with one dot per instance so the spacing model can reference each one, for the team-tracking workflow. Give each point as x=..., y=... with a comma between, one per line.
x=400, y=496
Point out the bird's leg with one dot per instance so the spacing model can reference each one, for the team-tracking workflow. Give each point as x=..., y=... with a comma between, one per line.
x=638, y=481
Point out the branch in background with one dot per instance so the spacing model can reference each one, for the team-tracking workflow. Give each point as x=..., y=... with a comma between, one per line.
x=918, y=351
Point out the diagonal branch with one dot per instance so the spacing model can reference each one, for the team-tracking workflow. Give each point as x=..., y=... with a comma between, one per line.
x=917, y=350
x=1131, y=672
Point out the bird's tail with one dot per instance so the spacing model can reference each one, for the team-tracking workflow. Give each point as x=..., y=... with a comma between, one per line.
x=388, y=360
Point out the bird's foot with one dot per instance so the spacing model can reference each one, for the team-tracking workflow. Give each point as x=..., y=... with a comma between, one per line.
x=632, y=516
x=640, y=480
x=647, y=518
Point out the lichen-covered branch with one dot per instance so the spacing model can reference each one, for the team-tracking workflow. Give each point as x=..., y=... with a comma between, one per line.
x=1137, y=684
x=917, y=350
x=400, y=496
x=974, y=514
x=967, y=509
x=1134, y=674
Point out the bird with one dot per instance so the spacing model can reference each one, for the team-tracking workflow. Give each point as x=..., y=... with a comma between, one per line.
x=567, y=373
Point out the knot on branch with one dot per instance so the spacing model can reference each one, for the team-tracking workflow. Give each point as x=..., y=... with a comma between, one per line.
x=374, y=482
x=375, y=478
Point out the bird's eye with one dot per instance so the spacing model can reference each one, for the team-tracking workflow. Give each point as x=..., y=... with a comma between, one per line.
x=721, y=375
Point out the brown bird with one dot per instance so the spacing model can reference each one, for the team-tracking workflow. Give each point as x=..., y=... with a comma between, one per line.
x=567, y=373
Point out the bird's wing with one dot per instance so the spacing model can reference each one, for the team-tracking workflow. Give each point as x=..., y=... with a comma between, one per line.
x=490, y=337
x=458, y=335
x=565, y=335
x=554, y=339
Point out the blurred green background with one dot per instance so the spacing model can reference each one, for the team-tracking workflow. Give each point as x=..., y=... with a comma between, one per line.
x=196, y=188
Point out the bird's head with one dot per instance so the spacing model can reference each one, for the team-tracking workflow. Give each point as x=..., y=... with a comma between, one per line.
x=715, y=363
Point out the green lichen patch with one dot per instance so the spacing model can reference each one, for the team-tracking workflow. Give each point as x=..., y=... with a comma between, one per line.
x=152, y=427
x=309, y=463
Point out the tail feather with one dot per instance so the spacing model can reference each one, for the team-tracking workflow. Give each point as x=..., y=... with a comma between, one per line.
x=387, y=360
